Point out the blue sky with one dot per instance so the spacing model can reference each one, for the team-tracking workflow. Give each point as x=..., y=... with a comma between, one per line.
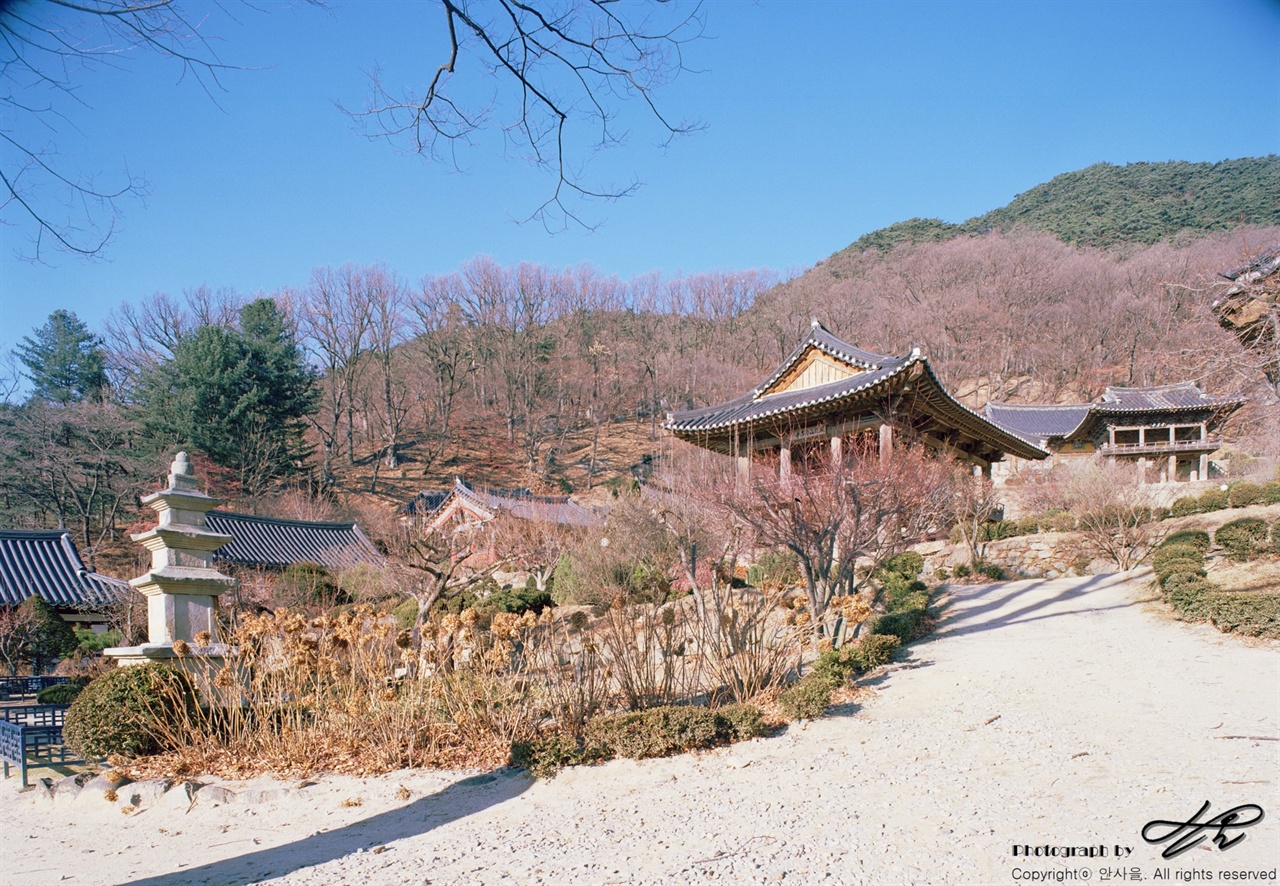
x=823, y=121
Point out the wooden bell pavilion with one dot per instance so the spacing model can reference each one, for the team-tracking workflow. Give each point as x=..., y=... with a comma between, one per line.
x=827, y=392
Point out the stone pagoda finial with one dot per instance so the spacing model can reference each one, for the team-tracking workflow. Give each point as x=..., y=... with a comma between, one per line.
x=182, y=586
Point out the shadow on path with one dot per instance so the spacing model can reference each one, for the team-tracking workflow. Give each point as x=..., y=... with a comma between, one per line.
x=458, y=800
x=996, y=597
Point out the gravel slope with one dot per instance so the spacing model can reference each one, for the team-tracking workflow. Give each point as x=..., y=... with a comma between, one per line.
x=1063, y=712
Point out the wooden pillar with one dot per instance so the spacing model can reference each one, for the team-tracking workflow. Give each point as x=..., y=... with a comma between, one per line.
x=837, y=450
x=1171, y=435
x=784, y=462
x=1204, y=435
x=1142, y=472
x=886, y=444
x=1173, y=466
x=1204, y=464
x=1142, y=436
x=744, y=469
x=1111, y=431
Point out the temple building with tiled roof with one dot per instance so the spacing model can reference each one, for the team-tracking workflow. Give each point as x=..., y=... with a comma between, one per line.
x=469, y=505
x=45, y=563
x=828, y=391
x=272, y=543
x=1171, y=428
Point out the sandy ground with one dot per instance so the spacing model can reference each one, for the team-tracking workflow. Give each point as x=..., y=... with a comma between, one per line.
x=1059, y=714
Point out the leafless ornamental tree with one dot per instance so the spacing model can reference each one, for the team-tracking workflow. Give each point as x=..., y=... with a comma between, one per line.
x=834, y=514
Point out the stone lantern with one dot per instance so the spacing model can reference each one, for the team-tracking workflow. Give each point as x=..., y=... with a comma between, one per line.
x=182, y=586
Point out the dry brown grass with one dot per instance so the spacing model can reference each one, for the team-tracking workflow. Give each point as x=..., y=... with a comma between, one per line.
x=352, y=693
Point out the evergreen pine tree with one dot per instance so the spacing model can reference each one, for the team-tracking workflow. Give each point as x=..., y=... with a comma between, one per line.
x=240, y=396
x=65, y=361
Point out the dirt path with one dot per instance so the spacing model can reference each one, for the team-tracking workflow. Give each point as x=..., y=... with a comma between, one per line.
x=1063, y=713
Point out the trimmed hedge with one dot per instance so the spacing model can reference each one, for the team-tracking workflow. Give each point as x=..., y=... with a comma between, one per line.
x=1243, y=539
x=1244, y=493
x=1213, y=500
x=127, y=711
x=1248, y=613
x=60, y=693
x=1185, y=506
x=1196, y=538
x=656, y=732
x=1270, y=493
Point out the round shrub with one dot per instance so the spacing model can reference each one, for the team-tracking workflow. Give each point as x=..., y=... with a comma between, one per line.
x=1185, y=506
x=1243, y=539
x=406, y=614
x=1186, y=586
x=907, y=564
x=128, y=711
x=60, y=693
x=739, y=722
x=874, y=650
x=1176, y=566
x=1244, y=493
x=806, y=700
x=1195, y=538
x=1213, y=500
x=1270, y=493
x=1167, y=558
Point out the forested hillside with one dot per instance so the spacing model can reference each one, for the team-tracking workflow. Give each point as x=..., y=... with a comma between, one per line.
x=1108, y=206
x=363, y=387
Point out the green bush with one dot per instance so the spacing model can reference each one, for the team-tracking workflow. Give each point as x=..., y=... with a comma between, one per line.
x=1213, y=500
x=1248, y=613
x=907, y=564
x=1185, y=506
x=61, y=693
x=992, y=571
x=1244, y=493
x=1173, y=558
x=961, y=570
x=310, y=583
x=806, y=700
x=49, y=639
x=546, y=755
x=518, y=600
x=1242, y=539
x=656, y=732
x=128, y=711
x=1270, y=493
x=1179, y=565
x=1057, y=521
x=874, y=650
x=1181, y=583
x=902, y=625
x=406, y=614
x=739, y=722
x=1196, y=538
x=834, y=667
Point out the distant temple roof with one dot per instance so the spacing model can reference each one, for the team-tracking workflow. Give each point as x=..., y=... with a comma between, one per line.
x=1073, y=421
x=46, y=563
x=825, y=378
x=277, y=544
x=485, y=503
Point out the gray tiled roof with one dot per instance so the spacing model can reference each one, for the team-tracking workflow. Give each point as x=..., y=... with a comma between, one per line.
x=1037, y=422
x=276, y=544
x=45, y=562
x=1166, y=398
x=751, y=407
x=1263, y=265
x=821, y=338
x=881, y=375
x=524, y=505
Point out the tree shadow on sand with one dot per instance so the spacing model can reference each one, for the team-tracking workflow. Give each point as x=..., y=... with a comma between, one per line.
x=458, y=800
